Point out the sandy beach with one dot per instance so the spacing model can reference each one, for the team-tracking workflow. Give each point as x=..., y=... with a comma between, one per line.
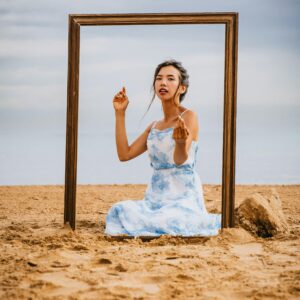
x=43, y=259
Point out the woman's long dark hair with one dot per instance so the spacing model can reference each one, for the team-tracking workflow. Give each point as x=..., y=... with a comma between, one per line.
x=183, y=78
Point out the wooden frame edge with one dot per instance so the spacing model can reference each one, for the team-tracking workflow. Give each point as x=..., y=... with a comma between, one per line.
x=230, y=20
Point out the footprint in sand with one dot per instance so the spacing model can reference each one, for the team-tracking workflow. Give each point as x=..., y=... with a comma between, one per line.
x=136, y=286
x=35, y=226
x=120, y=268
x=80, y=247
x=59, y=264
x=32, y=263
x=185, y=277
x=64, y=285
x=87, y=224
x=154, y=279
x=104, y=261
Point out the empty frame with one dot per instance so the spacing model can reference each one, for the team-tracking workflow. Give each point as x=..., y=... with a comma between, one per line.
x=230, y=19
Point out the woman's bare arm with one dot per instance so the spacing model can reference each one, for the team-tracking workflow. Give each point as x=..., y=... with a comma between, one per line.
x=139, y=146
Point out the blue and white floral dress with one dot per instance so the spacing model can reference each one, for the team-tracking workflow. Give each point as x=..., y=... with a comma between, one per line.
x=173, y=203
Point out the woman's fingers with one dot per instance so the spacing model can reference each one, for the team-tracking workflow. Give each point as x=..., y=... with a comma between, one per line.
x=186, y=132
x=121, y=95
x=118, y=98
x=180, y=133
x=176, y=134
x=180, y=130
x=183, y=133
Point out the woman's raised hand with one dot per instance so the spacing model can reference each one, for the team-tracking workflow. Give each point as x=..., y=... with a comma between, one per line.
x=180, y=132
x=120, y=101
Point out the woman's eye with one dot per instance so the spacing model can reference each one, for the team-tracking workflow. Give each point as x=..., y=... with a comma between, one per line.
x=170, y=79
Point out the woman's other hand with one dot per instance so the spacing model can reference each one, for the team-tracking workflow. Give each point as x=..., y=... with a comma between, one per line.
x=120, y=101
x=180, y=132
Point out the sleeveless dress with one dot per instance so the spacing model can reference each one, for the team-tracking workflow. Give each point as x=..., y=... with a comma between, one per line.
x=173, y=202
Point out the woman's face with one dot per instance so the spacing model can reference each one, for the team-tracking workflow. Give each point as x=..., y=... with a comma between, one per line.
x=167, y=82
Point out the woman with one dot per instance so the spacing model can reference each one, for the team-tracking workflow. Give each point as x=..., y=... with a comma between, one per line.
x=173, y=202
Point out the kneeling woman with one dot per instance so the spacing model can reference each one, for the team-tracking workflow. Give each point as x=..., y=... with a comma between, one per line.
x=173, y=203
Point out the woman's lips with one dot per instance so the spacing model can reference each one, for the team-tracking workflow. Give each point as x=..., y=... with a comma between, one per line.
x=163, y=91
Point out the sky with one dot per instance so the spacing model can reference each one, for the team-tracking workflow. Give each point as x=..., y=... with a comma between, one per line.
x=33, y=84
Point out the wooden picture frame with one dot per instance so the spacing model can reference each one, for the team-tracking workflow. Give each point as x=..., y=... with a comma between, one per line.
x=230, y=19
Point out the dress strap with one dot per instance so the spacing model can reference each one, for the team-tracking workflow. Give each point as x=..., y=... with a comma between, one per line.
x=183, y=112
x=154, y=123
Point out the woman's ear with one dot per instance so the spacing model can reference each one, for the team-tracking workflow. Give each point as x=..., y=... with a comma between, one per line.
x=182, y=89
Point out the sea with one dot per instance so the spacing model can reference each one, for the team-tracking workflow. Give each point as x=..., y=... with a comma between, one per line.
x=267, y=152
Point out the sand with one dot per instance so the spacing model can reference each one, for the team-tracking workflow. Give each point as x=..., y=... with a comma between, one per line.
x=42, y=259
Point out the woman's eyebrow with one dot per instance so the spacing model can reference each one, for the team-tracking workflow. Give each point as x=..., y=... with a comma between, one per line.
x=167, y=75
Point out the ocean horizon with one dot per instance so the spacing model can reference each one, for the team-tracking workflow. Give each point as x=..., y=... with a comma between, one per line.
x=38, y=158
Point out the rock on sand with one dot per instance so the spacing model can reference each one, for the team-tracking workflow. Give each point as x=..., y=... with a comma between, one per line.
x=262, y=215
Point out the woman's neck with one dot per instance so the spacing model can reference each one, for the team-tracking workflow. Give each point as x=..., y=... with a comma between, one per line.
x=171, y=111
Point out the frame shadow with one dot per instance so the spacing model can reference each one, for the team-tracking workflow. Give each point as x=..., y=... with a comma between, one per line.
x=230, y=19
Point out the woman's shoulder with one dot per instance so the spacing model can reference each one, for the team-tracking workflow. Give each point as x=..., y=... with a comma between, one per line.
x=188, y=113
x=190, y=118
x=152, y=124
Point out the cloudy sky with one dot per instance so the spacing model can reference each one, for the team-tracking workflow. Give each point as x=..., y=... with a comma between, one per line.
x=33, y=75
